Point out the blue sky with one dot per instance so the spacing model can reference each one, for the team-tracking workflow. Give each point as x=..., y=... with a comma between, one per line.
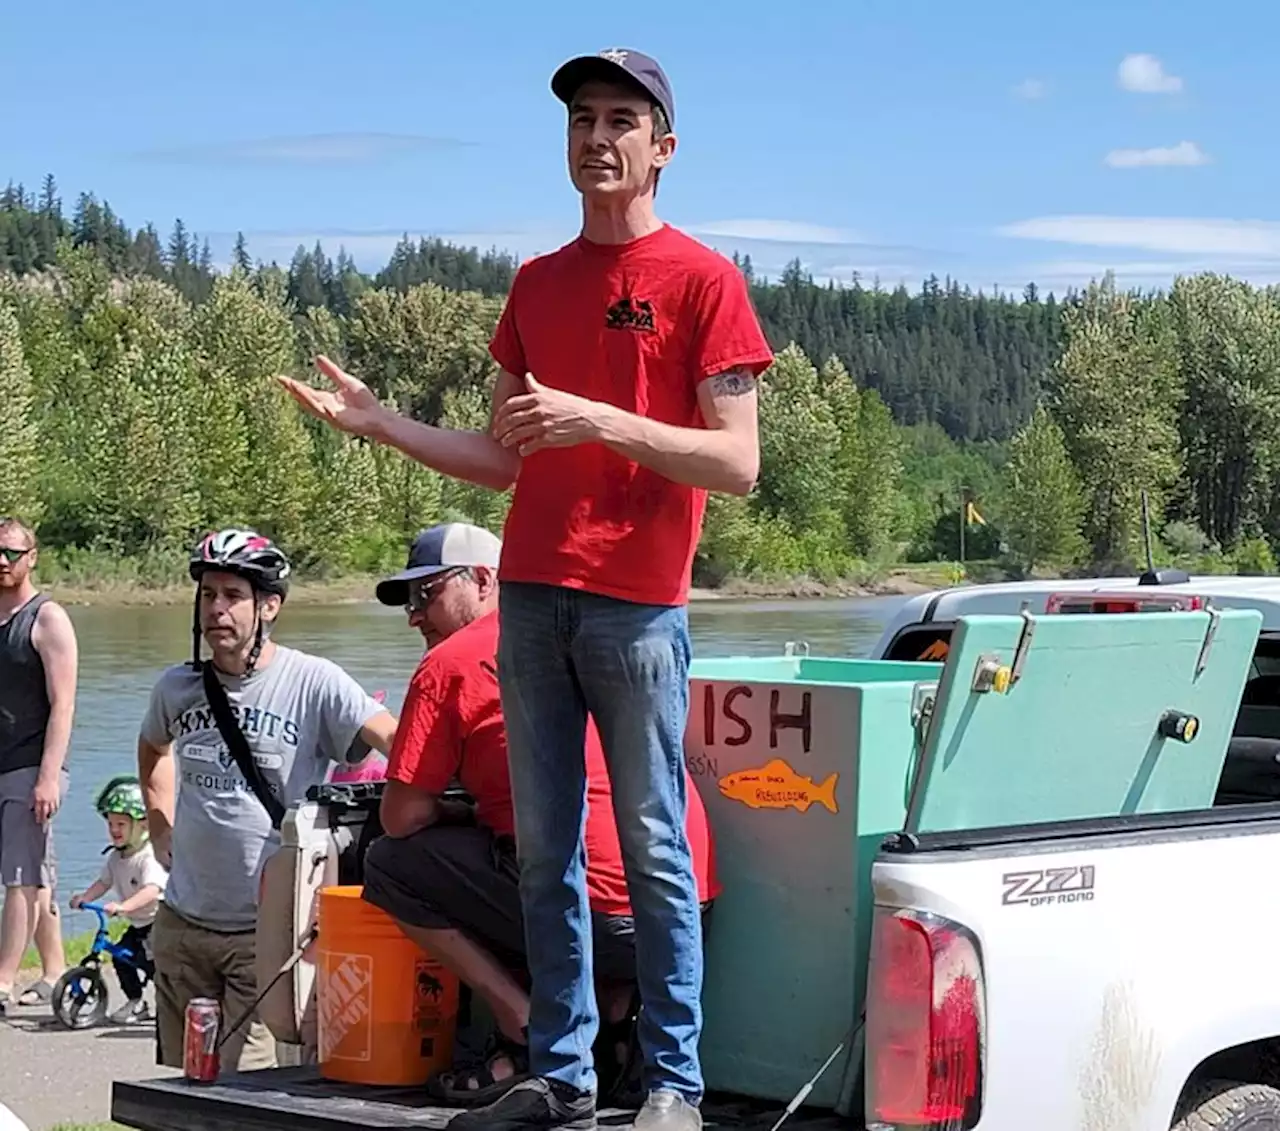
x=996, y=142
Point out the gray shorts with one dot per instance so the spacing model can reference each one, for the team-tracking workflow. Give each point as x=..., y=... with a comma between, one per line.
x=26, y=847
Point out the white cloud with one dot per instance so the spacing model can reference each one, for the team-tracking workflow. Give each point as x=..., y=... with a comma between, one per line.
x=304, y=149
x=870, y=276
x=828, y=254
x=1184, y=153
x=1062, y=275
x=1030, y=89
x=372, y=249
x=1170, y=234
x=1145, y=74
x=775, y=231
x=772, y=243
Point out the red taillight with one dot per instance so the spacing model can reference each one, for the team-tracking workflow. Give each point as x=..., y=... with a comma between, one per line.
x=1122, y=603
x=924, y=1023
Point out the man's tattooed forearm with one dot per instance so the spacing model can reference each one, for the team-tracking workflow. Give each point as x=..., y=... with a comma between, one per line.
x=737, y=384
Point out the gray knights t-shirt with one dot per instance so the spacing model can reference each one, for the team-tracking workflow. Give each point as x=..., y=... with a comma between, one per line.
x=299, y=714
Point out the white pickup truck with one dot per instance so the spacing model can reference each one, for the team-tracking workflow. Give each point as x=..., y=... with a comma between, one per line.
x=1126, y=964
x=1111, y=971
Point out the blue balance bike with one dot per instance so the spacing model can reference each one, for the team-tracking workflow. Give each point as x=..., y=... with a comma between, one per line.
x=80, y=995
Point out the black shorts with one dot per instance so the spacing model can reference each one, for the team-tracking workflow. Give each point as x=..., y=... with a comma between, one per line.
x=461, y=877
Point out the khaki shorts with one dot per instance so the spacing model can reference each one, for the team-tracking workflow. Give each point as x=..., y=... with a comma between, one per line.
x=26, y=846
x=193, y=962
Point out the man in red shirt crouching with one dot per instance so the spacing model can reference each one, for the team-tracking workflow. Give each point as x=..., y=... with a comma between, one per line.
x=449, y=875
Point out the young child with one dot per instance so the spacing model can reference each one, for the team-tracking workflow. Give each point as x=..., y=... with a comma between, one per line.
x=137, y=878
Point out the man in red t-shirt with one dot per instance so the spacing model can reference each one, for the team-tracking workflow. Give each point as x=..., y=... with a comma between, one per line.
x=627, y=391
x=448, y=874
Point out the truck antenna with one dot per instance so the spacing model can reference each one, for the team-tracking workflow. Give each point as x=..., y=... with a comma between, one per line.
x=1146, y=532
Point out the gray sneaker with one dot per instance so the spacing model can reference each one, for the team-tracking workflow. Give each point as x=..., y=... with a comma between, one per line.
x=668, y=1111
x=131, y=1013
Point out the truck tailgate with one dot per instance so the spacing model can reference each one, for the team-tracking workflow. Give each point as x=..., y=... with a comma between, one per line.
x=275, y=1098
x=1113, y=963
x=297, y=1099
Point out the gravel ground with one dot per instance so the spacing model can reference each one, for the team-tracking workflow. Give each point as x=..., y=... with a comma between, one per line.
x=49, y=1075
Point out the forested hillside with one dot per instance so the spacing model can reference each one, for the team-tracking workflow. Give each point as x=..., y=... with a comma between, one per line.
x=969, y=363
x=137, y=407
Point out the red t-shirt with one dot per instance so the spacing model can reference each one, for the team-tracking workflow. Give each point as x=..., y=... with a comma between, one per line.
x=638, y=325
x=451, y=727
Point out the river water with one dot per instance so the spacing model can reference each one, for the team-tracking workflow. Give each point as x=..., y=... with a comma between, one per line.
x=122, y=650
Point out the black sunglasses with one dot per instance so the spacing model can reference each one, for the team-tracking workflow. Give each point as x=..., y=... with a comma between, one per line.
x=424, y=590
x=12, y=554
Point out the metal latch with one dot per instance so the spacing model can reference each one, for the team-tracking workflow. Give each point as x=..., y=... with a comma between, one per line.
x=1024, y=644
x=1206, y=645
x=923, y=698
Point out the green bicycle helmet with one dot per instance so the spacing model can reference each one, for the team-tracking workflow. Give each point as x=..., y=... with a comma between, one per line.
x=122, y=794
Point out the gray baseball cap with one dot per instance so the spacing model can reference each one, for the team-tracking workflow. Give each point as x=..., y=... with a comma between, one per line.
x=617, y=63
x=437, y=549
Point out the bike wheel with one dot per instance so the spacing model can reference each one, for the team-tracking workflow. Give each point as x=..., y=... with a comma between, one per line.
x=80, y=998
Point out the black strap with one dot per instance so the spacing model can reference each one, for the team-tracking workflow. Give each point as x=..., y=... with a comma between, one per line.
x=505, y=858
x=238, y=745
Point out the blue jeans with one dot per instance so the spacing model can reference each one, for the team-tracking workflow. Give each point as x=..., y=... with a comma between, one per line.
x=561, y=654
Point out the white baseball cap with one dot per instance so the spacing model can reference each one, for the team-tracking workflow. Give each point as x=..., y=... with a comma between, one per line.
x=437, y=549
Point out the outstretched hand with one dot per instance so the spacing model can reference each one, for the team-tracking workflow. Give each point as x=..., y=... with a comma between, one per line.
x=350, y=405
x=545, y=418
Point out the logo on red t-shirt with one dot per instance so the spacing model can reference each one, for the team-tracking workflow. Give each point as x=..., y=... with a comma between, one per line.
x=629, y=314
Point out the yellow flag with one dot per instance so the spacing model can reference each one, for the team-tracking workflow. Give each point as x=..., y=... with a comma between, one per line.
x=971, y=515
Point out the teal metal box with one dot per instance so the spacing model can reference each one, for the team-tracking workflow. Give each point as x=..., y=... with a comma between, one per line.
x=776, y=747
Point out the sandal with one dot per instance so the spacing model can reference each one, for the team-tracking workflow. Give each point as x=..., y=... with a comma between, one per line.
x=615, y=1070
x=477, y=1086
x=38, y=993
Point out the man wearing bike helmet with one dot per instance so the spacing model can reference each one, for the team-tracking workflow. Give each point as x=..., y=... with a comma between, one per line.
x=138, y=880
x=293, y=715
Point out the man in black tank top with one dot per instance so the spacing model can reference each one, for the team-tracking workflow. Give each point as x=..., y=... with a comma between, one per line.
x=38, y=662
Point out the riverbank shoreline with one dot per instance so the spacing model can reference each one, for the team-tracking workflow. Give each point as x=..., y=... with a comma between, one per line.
x=358, y=589
x=894, y=583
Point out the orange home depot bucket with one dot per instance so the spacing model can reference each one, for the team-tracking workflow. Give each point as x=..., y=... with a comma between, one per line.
x=386, y=1011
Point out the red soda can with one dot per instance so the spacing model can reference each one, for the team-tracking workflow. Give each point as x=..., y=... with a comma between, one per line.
x=200, y=1057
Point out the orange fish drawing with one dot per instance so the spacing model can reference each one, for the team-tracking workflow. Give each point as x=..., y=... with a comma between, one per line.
x=778, y=786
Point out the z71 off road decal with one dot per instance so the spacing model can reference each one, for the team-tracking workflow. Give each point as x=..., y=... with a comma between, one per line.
x=1048, y=885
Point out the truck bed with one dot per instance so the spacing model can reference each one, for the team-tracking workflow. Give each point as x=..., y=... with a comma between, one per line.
x=298, y=1099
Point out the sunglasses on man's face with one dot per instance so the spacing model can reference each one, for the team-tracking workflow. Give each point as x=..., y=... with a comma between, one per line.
x=13, y=554
x=425, y=590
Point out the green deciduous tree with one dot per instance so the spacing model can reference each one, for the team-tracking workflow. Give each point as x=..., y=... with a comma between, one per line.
x=1044, y=503
x=1229, y=363
x=19, y=433
x=411, y=348
x=1117, y=398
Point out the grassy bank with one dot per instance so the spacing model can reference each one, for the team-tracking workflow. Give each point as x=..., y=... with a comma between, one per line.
x=118, y=592
x=123, y=587
x=74, y=946
x=88, y=1127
